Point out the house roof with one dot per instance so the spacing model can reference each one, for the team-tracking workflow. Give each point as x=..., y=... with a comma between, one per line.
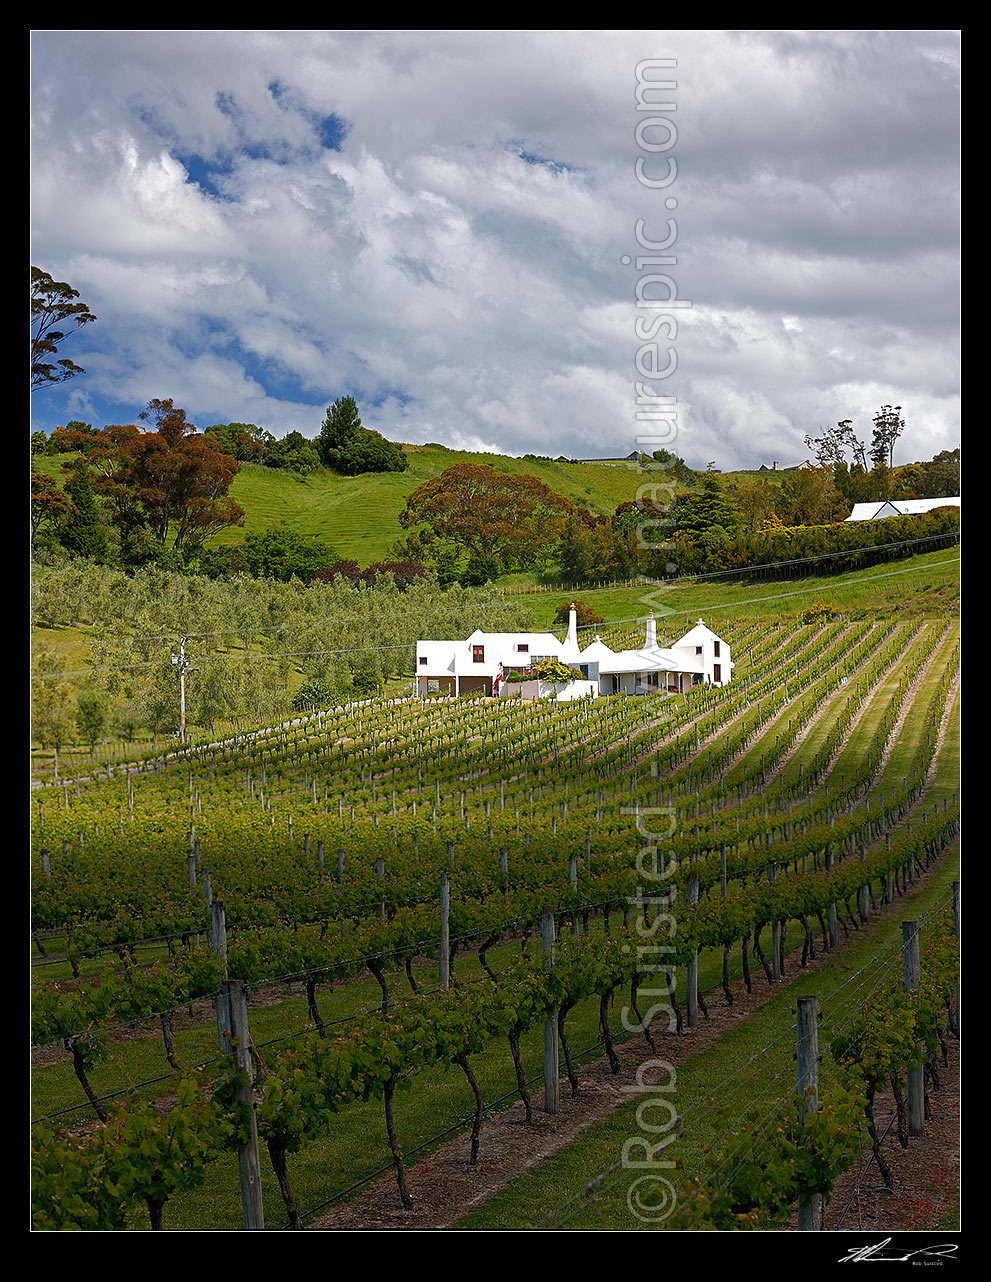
x=455, y=657
x=880, y=508
x=697, y=635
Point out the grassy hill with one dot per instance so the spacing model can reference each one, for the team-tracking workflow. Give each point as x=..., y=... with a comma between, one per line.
x=358, y=515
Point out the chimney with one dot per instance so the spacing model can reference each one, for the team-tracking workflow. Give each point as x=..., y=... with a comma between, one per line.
x=572, y=630
x=651, y=640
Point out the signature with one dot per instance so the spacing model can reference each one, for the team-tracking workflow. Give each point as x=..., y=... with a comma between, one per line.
x=862, y=1254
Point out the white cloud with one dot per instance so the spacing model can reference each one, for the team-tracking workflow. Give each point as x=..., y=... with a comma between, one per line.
x=434, y=221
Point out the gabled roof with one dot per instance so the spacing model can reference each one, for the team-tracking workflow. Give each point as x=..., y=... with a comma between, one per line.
x=697, y=635
x=880, y=508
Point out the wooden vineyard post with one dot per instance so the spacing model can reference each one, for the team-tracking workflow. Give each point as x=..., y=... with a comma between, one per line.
x=551, y=1062
x=772, y=868
x=956, y=932
x=832, y=907
x=249, y=1165
x=865, y=903
x=218, y=943
x=693, y=961
x=915, y=1084
x=445, y=931
x=807, y=1086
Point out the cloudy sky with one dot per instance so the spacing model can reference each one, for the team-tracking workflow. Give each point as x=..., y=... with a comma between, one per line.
x=444, y=225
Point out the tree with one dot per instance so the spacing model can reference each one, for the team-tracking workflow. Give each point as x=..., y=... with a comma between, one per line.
x=712, y=506
x=49, y=504
x=91, y=716
x=888, y=426
x=831, y=447
x=479, y=571
x=511, y=516
x=404, y=573
x=52, y=304
x=243, y=441
x=442, y=556
x=350, y=449
x=294, y=453
x=856, y=446
x=53, y=705
x=809, y=497
x=941, y=478
x=83, y=532
x=171, y=481
x=756, y=500
x=283, y=554
x=585, y=616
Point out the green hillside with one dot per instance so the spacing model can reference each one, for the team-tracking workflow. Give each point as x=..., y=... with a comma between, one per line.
x=358, y=515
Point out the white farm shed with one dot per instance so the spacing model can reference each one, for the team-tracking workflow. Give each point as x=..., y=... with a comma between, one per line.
x=879, y=509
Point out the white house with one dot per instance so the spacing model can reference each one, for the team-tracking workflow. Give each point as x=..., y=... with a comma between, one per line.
x=479, y=664
x=897, y=507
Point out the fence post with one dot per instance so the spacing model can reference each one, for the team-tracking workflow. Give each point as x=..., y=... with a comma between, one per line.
x=807, y=1086
x=915, y=1085
x=551, y=1063
x=248, y=1162
x=445, y=931
x=693, y=961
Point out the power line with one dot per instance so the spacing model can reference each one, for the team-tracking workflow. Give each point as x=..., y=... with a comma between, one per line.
x=508, y=596
x=864, y=576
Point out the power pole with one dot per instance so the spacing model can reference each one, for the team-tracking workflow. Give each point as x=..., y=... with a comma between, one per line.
x=182, y=663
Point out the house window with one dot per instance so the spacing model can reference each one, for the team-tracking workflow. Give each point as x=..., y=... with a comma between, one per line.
x=716, y=649
x=478, y=654
x=523, y=649
x=423, y=662
x=698, y=649
x=717, y=672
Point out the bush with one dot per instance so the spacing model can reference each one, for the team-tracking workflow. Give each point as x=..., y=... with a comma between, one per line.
x=820, y=612
x=479, y=571
x=586, y=616
x=555, y=670
x=366, y=684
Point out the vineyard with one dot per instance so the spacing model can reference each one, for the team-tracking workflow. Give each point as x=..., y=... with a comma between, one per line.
x=345, y=937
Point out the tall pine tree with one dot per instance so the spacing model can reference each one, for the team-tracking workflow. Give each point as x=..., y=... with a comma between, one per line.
x=83, y=533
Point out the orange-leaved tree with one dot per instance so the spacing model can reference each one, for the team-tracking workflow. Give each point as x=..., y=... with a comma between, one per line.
x=171, y=481
x=511, y=516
